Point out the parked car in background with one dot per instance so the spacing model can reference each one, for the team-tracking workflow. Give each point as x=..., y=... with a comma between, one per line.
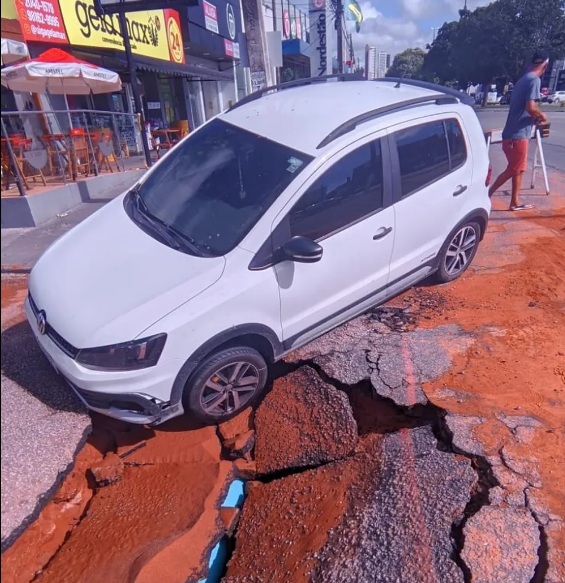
x=557, y=98
x=252, y=237
x=544, y=94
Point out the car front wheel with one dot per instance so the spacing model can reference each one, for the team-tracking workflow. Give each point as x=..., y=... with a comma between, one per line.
x=225, y=384
x=458, y=252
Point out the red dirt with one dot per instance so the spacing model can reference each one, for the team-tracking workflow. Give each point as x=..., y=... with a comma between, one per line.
x=517, y=364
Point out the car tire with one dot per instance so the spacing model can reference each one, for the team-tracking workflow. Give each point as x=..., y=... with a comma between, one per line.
x=224, y=384
x=556, y=101
x=458, y=252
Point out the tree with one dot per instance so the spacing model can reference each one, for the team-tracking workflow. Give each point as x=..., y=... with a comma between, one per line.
x=496, y=41
x=438, y=66
x=408, y=64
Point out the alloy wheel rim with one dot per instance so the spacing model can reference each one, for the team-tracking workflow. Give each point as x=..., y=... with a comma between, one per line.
x=460, y=250
x=229, y=388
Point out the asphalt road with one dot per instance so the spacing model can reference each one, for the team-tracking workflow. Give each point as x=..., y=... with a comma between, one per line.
x=553, y=146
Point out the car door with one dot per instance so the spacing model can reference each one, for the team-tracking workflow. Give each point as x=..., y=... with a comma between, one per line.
x=346, y=208
x=431, y=162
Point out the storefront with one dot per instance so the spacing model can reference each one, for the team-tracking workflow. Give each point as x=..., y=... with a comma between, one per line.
x=12, y=30
x=176, y=86
x=214, y=42
x=292, y=20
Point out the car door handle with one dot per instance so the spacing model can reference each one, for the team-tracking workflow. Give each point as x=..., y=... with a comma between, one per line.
x=460, y=190
x=383, y=232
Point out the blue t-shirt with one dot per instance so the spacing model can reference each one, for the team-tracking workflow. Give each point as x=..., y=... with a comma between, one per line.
x=519, y=124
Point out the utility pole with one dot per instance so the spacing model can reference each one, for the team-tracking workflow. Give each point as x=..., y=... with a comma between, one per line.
x=134, y=87
x=339, y=28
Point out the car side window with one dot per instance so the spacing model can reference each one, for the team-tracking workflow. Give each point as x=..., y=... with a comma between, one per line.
x=349, y=191
x=457, y=146
x=423, y=155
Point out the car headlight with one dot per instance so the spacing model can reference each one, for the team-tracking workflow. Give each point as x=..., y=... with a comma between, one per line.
x=132, y=355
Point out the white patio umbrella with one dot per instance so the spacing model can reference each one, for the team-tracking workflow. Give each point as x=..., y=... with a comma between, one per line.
x=13, y=50
x=59, y=73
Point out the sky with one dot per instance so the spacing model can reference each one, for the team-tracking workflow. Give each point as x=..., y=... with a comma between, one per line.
x=395, y=25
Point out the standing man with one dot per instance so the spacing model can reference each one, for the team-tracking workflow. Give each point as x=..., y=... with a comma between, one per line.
x=524, y=113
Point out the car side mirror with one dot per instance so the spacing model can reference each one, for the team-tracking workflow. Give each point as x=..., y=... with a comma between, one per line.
x=301, y=250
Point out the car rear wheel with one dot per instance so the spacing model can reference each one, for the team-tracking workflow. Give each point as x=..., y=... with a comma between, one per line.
x=225, y=384
x=458, y=252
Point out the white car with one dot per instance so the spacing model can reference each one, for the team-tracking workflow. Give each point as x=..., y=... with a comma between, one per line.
x=296, y=210
x=557, y=98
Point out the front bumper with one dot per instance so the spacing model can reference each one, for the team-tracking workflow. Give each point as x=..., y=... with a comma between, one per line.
x=141, y=396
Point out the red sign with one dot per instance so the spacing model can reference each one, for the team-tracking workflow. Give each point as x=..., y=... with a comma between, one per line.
x=41, y=21
x=231, y=49
x=210, y=16
x=174, y=36
x=286, y=24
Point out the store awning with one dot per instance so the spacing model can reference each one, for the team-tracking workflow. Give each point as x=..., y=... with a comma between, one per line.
x=182, y=70
x=116, y=61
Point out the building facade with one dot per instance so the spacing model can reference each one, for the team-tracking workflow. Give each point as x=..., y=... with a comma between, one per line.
x=188, y=63
x=383, y=64
x=291, y=19
x=371, y=62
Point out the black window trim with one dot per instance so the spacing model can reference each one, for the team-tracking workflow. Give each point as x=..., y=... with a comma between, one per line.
x=395, y=160
x=264, y=258
x=463, y=134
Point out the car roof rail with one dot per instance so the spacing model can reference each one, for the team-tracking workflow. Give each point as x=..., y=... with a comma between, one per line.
x=351, y=124
x=460, y=95
x=297, y=83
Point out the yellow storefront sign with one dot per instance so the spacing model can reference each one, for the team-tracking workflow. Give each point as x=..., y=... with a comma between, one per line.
x=148, y=31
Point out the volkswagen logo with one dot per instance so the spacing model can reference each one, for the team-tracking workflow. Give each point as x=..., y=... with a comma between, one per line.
x=230, y=17
x=41, y=322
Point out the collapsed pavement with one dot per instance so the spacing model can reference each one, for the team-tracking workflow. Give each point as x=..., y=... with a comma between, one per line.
x=415, y=499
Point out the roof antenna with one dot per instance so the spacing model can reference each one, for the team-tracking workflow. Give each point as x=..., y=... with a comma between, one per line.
x=397, y=86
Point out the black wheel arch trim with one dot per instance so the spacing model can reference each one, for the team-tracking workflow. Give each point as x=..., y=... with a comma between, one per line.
x=214, y=343
x=477, y=214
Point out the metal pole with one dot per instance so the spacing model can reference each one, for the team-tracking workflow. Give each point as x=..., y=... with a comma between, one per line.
x=339, y=28
x=17, y=176
x=134, y=87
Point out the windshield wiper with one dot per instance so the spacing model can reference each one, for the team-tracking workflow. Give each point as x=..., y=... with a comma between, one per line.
x=173, y=237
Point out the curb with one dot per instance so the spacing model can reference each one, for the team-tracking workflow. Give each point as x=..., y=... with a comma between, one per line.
x=16, y=268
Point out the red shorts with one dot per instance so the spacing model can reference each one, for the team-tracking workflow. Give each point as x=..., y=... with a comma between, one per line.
x=517, y=154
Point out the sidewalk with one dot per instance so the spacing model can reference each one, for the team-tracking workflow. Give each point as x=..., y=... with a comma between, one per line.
x=21, y=248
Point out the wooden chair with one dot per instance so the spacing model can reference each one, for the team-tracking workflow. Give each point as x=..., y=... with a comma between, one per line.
x=103, y=144
x=58, y=154
x=81, y=154
x=28, y=172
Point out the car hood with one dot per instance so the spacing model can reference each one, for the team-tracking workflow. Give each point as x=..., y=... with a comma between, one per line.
x=106, y=280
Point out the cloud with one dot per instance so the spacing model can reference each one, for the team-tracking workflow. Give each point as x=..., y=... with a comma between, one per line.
x=395, y=26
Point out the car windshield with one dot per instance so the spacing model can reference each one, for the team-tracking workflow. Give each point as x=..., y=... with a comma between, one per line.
x=212, y=188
